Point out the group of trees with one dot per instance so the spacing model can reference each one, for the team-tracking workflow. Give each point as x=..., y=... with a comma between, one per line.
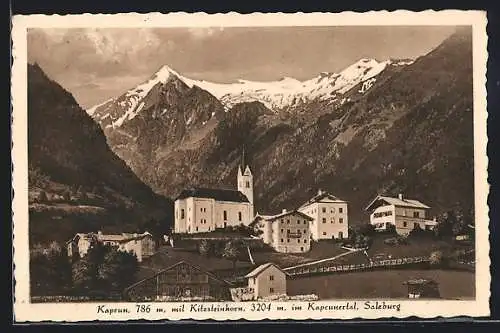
x=455, y=222
x=103, y=270
x=230, y=250
x=360, y=237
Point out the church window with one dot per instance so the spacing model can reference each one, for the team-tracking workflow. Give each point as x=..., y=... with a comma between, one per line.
x=182, y=213
x=248, y=184
x=239, y=216
x=225, y=215
x=196, y=228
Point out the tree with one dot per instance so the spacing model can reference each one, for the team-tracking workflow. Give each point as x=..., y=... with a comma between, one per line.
x=67, y=196
x=118, y=270
x=104, y=268
x=204, y=248
x=42, y=196
x=231, y=252
x=391, y=229
x=50, y=270
x=367, y=229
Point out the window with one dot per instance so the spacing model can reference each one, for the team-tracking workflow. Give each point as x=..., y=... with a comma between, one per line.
x=282, y=240
x=324, y=233
x=239, y=216
x=324, y=210
x=288, y=240
x=287, y=231
x=305, y=241
x=201, y=209
x=341, y=220
x=298, y=221
x=182, y=213
x=341, y=234
x=225, y=215
x=248, y=184
x=305, y=231
x=305, y=222
x=405, y=224
x=324, y=220
x=416, y=214
x=415, y=225
x=298, y=240
x=341, y=210
x=271, y=277
x=287, y=221
x=196, y=228
x=271, y=290
x=281, y=230
x=301, y=249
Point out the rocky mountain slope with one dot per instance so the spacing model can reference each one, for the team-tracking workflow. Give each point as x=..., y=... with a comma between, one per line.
x=76, y=183
x=408, y=129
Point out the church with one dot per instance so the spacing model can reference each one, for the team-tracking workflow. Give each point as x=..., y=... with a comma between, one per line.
x=207, y=209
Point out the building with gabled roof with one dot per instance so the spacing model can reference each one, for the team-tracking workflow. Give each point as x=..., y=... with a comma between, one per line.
x=182, y=281
x=287, y=232
x=405, y=214
x=329, y=215
x=142, y=245
x=266, y=280
x=203, y=209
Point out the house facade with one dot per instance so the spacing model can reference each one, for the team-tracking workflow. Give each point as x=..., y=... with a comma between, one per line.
x=141, y=245
x=205, y=210
x=267, y=280
x=405, y=214
x=181, y=281
x=288, y=232
x=329, y=216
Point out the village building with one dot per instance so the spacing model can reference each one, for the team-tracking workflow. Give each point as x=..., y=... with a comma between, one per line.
x=329, y=216
x=287, y=232
x=180, y=282
x=267, y=280
x=142, y=245
x=205, y=209
x=405, y=214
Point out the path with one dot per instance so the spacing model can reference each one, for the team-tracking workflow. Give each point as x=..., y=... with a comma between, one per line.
x=323, y=260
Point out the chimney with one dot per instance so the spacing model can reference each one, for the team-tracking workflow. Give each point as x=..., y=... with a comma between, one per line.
x=283, y=211
x=400, y=196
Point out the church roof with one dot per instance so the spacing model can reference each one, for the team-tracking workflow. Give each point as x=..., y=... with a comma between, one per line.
x=213, y=193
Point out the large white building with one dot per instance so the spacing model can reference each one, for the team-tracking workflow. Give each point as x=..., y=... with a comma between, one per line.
x=287, y=232
x=400, y=212
x=329, y=216
x=205, y=209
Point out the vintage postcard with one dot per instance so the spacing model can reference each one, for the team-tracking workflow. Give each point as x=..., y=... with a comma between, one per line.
x=258, y=166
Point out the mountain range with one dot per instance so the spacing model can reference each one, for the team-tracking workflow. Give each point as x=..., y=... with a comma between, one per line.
x=76, y=183
x=377, y=127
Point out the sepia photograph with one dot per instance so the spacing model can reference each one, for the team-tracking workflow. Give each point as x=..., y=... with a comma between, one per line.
x=216, y=167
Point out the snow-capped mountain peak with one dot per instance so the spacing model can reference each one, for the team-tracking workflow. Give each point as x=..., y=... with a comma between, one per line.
x=276, y=95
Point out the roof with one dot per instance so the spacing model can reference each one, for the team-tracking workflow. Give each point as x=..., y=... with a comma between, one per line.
x=212, y=193
x=420, y=281
x=320, y=196
x=283, y=214
x=213, y=276
x=121, y=238
x=398, y=202
x=262, y=268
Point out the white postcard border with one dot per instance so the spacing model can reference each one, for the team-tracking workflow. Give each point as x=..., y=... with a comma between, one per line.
x=72, y=312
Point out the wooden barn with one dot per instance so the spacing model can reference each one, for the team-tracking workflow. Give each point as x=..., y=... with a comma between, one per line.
x=180, y=282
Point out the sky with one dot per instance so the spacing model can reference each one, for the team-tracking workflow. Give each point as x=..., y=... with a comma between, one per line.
x=97, y=64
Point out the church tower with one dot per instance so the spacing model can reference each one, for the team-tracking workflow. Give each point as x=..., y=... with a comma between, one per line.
x=245, y=181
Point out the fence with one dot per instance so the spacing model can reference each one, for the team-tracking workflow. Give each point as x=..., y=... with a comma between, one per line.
x=329, y=267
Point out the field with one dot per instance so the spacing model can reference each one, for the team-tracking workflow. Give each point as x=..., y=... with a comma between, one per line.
x=382, y=284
